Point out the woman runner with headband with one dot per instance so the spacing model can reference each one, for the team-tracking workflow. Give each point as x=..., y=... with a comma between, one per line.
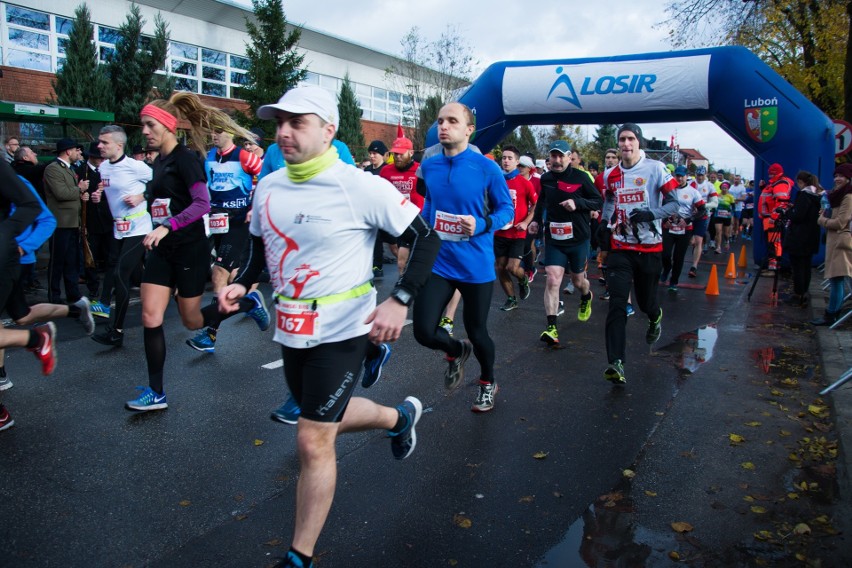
x=179, y=253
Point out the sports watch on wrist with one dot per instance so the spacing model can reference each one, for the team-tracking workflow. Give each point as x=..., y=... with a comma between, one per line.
x=402, y=296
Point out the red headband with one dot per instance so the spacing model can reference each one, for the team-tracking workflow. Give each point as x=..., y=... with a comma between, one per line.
x=165, y=117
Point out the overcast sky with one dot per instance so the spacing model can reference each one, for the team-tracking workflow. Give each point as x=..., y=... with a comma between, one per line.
x=512, y=31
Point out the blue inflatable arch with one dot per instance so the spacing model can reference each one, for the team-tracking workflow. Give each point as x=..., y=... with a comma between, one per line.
x=727, y=85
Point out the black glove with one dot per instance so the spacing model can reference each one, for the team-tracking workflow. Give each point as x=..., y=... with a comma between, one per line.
x=642, y=216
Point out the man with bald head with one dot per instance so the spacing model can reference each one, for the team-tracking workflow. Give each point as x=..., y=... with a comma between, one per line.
x=466, y=201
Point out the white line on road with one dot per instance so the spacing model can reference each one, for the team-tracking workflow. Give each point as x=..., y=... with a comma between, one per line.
x=274, y=364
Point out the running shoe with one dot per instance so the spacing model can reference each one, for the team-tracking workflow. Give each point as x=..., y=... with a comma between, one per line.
x=288, y=413
x=404, y=441
x=455, y=368
x=378, y=273
x=630, y=310
x=99, y=310
x=485, y=399
x=614, y=373
x=86, y=314
x=655, y=328
x=530, y=275
x=602, y=280
x=148, y=400
x=447, y=324
x=585, y=311
x=259, y=313
x=524, y=287
x=204, y=340
x=605, y=295
x=672, y=287
x=664, y=276
x=511, y=304
x=693, y=272
x=45, y=351
x=5, y=420
x=373, y=367
x=569, y=288
x=5, y=382
x=561, y=309
x=293, y=561
x=550, y=335
x=110, y=337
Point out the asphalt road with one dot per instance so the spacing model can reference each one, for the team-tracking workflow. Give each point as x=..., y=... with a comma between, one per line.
x=539, y=481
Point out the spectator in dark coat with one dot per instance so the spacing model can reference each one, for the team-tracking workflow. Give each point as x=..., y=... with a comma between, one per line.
x=801, y=241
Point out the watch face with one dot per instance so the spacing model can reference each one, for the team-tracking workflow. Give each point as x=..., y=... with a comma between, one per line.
x=403, y=296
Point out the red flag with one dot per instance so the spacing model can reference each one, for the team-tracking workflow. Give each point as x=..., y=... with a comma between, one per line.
x=400, y=133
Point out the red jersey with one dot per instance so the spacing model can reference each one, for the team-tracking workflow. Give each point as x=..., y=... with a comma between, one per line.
x=523, y=200
x=405, y=181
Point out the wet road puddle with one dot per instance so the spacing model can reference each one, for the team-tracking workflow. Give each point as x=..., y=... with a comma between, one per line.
x=785, y=360
x=693, y=349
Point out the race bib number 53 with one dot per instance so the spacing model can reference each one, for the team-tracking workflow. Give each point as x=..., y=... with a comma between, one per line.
x=449, y=227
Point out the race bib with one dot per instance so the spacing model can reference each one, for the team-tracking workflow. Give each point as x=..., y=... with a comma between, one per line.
x=160, y=210
x=448, y=227
x=514, y=195
x=561, y=231
x=122, y=227
x=297, y=325
x=630, y=199
x=677, y=230
x=723, y=214
x=218, y=223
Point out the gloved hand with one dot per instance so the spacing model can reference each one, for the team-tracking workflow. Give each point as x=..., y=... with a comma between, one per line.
x=642, y=216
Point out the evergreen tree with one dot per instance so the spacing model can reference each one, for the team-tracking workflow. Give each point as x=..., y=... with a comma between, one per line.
x=133, y=65
x=349, y=132
x=511, y=139
x=82, y=82
x=273, y=60
x=526, y=140
x=427, y=117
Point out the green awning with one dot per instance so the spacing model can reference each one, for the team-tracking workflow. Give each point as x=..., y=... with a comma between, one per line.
x=26, y=112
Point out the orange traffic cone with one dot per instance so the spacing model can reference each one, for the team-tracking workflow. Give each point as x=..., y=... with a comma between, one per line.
x=742, y=262
x=712, y=283
x=731, y=270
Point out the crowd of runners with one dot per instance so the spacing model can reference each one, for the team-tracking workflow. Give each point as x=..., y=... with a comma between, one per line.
x=455, y=220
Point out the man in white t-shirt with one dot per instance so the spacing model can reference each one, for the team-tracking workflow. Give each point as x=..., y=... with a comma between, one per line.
x=738, y=190
x=123, y=182
x=314, y=225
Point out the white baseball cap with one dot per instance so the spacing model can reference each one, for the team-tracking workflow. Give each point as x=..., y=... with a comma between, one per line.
x=308, y=99
x=526, y=161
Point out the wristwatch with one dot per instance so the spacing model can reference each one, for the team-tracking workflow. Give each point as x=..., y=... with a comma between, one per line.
x=402, y=296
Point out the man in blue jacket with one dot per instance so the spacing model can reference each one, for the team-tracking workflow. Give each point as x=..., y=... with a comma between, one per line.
x=467, y=199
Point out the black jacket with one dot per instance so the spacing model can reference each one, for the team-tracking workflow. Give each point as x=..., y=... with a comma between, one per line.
x=802, y=236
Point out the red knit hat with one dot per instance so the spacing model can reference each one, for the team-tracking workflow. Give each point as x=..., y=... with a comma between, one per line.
x=776, y=170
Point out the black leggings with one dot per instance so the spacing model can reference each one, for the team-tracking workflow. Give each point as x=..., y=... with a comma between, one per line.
x=130, y=254
x=801, y=267
x=626, y=269
x=674, y=246
x=429, y=307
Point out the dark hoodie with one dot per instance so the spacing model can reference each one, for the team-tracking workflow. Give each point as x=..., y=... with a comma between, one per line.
x=802, y=237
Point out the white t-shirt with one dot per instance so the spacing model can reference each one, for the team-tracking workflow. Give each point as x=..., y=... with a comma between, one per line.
x=738, y=191
x=319, y=236
x=121, y=179
x=688, y=198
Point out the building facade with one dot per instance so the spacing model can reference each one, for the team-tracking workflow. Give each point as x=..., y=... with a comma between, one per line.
x=206, y=56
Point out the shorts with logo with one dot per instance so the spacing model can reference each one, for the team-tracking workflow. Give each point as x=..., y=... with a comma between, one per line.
x=184, y=266
x=509, y=248
x=724, y=221
x=229, y=246
x=572, y=257
x=699, y=227
x=322, y=378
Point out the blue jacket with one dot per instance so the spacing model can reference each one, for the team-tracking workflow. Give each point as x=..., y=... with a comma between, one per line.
x=273, y=159
x=36, y=234
x=467, y=184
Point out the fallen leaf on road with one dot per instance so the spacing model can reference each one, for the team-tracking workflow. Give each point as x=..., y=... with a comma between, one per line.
x=785, y=433
x=753, y=424
x=462, y=521
x=747, y=465
x=273, y=542
x=763, y=535
x=628, y=473
x=674, y=555
x=540, y=455
x=651, y=493
x=527, y=499
x=802, y=528
x=735, y=439
x=758, y=509
x=258, y=442
x=185, y=503
x=681, y=527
